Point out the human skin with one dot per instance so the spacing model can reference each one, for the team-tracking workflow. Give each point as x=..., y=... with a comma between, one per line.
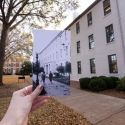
x=22, y=104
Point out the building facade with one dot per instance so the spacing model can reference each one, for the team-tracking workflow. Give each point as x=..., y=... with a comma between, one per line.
x=56, y=53
x=12, y=67
x=98, y=40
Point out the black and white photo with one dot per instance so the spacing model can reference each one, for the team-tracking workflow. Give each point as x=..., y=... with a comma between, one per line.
x=51, y=62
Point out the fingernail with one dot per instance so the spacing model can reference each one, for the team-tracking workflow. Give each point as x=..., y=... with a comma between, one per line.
x=40, y=86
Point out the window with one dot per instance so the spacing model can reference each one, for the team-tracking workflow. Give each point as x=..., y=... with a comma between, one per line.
x=91, y=42
x=112, y=64
x=107, y=7
x=78, y=47
x=77, y=28
x=66, y=50
x=79, y=67
x=110, y=33
x=4, y=70
x=89, y=17
x=92, y=66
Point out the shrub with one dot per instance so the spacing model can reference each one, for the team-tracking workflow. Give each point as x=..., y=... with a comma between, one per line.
x=115, y=79
x=94, y=77
x=121, y=84
x=108, y=81
x=84, y=83
x=97, y=84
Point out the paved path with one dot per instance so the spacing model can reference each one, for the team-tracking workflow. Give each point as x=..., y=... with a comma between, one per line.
x=99, y=109
x=54, y=88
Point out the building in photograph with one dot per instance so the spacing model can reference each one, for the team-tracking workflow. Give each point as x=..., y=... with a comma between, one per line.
x=56, y=53
x=98, y=40
x=12, y=66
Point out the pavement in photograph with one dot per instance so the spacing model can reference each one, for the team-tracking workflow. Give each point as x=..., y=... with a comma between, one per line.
x=54, y=88
x=98, y=109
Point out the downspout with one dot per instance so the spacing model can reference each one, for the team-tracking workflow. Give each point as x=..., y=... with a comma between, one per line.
x=121, y=30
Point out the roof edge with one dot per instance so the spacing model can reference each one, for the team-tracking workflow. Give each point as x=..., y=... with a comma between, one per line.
x=83, y=13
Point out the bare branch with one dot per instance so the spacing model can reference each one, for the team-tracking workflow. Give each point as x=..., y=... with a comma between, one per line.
x=2, y=11
x=9, y=11
x=17, y=3
x=20, y=9
x=14, y=26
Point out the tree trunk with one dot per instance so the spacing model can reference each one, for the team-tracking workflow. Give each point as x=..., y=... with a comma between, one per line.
x=2, y=50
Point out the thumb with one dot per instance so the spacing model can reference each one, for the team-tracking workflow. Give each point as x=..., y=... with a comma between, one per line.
x=36, y=92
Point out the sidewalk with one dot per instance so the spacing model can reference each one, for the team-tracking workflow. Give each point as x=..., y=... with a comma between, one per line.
x=99, y=109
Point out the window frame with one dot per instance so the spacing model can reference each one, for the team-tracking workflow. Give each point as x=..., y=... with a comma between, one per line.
x=77, y=28
x=89, y=18
x=91, y=67
x=111, y=64
x=79, y=69
x=90, y=43
x=109, y=33
x=105, y=7
x=78, y=46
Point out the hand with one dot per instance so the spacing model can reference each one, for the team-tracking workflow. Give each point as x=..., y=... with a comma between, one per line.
x=22, y=103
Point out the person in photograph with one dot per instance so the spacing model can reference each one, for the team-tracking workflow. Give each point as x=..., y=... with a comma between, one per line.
x=50, y=76
x=43, y=77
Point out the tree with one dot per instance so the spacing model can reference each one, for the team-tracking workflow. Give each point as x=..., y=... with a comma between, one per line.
x=27, y=12
x=40, y=69
x=18, y=45
x=68, y=67
x=26, y=68
x=60, y=69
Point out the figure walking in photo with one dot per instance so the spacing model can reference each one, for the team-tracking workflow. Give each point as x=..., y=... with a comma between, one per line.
x=43, y=77
x=50, y=77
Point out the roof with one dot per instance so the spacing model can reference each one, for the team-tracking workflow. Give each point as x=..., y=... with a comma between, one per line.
x=83, y=13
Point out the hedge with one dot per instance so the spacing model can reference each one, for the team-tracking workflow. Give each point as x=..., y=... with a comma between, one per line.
x=97, y=84
x=84, y=83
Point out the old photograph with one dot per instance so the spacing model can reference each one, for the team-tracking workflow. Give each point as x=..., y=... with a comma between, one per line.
x=51, y=62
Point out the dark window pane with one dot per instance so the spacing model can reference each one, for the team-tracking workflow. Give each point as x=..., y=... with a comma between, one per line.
x=92, y=66
x=78, y=47
x=107, y=7
x=91, y=42
x=77, y=28
x=112, y=64
x=79, y=67
x=110, y=33
x=89, y=17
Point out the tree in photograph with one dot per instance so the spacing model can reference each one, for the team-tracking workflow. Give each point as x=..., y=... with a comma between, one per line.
x=32, y=13
x=26, y=68
x=68, y=67
x=60, y=69
x=40, y=69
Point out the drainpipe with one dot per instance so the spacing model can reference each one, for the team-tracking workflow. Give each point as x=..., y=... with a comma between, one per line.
x=121, y=30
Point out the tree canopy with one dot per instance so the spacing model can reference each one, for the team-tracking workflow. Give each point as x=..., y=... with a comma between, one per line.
x=26, y=68
x=35, y=13
x=18, y=45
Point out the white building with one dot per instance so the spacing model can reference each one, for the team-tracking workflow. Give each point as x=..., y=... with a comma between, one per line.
x=56, y=53
x=98, y=40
